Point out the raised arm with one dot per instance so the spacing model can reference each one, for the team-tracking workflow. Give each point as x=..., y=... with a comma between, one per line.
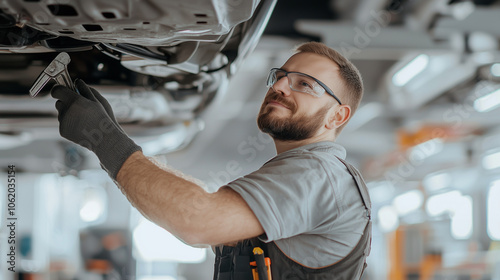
x=184, y=208
x=178, y=205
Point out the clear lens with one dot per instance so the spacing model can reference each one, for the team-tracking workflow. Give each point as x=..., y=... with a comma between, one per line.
x=271, y=79
x=303, y=83
x=298, y=82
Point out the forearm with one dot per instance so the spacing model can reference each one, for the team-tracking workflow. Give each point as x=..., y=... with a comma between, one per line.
x=185, y=209
x=176, y=204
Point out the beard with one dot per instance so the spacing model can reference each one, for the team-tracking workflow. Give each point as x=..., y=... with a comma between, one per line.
x=294, y=128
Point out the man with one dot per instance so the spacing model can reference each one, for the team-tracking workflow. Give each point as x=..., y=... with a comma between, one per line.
x=307, y=208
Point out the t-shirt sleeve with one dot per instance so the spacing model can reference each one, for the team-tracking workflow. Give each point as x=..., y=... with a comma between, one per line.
x=290, y=196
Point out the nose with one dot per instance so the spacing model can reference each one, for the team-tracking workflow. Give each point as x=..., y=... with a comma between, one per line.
x=282, y=86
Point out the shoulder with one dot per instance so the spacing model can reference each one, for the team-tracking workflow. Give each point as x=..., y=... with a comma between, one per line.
x=318, y=168
x=305, y=159
x=299, y=168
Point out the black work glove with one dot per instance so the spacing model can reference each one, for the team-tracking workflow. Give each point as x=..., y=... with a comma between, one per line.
x=88, y=120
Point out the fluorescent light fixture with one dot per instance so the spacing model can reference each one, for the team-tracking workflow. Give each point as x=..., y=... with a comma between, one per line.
x=426, y=149
x=488, y=102
x=462, y=10
x=380, y=191
x=495, y=69
x=154, y=243
x=388, y=218
x=434, y=182
x=439, y=204
x=493, y=221
x=91, y=211
x=412, y=69
x=408, y=202
x=491, y=161
x=481, y=41
x=93, y=207
x=459, y=208
x=461, y=221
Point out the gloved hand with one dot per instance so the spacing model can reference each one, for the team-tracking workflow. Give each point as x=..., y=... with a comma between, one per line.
x=88, y=120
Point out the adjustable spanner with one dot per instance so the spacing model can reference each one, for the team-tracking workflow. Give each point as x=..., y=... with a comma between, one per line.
x=57, y=71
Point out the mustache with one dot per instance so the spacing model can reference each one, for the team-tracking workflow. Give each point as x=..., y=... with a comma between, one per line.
x=280, y=99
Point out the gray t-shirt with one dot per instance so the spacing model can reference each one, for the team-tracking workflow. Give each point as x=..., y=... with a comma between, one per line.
x=307, y=202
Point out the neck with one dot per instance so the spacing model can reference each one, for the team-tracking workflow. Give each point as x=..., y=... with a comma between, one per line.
x=283, y=146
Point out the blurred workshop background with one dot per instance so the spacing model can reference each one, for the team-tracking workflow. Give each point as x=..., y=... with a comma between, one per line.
x=426, y=138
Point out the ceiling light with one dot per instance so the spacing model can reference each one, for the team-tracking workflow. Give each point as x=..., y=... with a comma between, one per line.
x=408, y=202
x=94, y=205
x=380, y=191
x=495, y=69
x=439, y=204
x=462, y=10
x=426, y=149
x=154, y=243
x=481, y=41
x=491, y=161
x=488, y=102
x=459, y=209
x=388, y=218
x=461, y=221
x=91, y=211
x=412, y=69
x=493, y=210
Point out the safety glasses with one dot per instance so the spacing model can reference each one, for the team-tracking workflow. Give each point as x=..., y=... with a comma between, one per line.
x=300, y=82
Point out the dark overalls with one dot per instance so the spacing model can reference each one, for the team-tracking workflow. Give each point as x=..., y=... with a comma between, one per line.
x=233, y=263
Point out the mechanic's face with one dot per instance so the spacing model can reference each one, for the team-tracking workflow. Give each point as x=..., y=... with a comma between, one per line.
x=289, y=115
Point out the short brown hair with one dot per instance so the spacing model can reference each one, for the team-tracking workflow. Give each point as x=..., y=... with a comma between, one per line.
x=353, y=83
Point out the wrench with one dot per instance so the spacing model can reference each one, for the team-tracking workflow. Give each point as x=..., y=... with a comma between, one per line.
x=57, y=71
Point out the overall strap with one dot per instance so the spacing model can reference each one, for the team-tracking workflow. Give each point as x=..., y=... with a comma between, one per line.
x=360, y=183
x=363, y=191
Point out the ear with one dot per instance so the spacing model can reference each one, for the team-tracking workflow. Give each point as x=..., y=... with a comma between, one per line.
x=338, y=116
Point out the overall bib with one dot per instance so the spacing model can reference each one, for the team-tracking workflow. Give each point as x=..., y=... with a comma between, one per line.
x=233, y=263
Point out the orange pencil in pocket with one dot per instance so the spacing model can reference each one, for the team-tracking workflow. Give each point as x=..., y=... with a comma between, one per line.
x=261, y=266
